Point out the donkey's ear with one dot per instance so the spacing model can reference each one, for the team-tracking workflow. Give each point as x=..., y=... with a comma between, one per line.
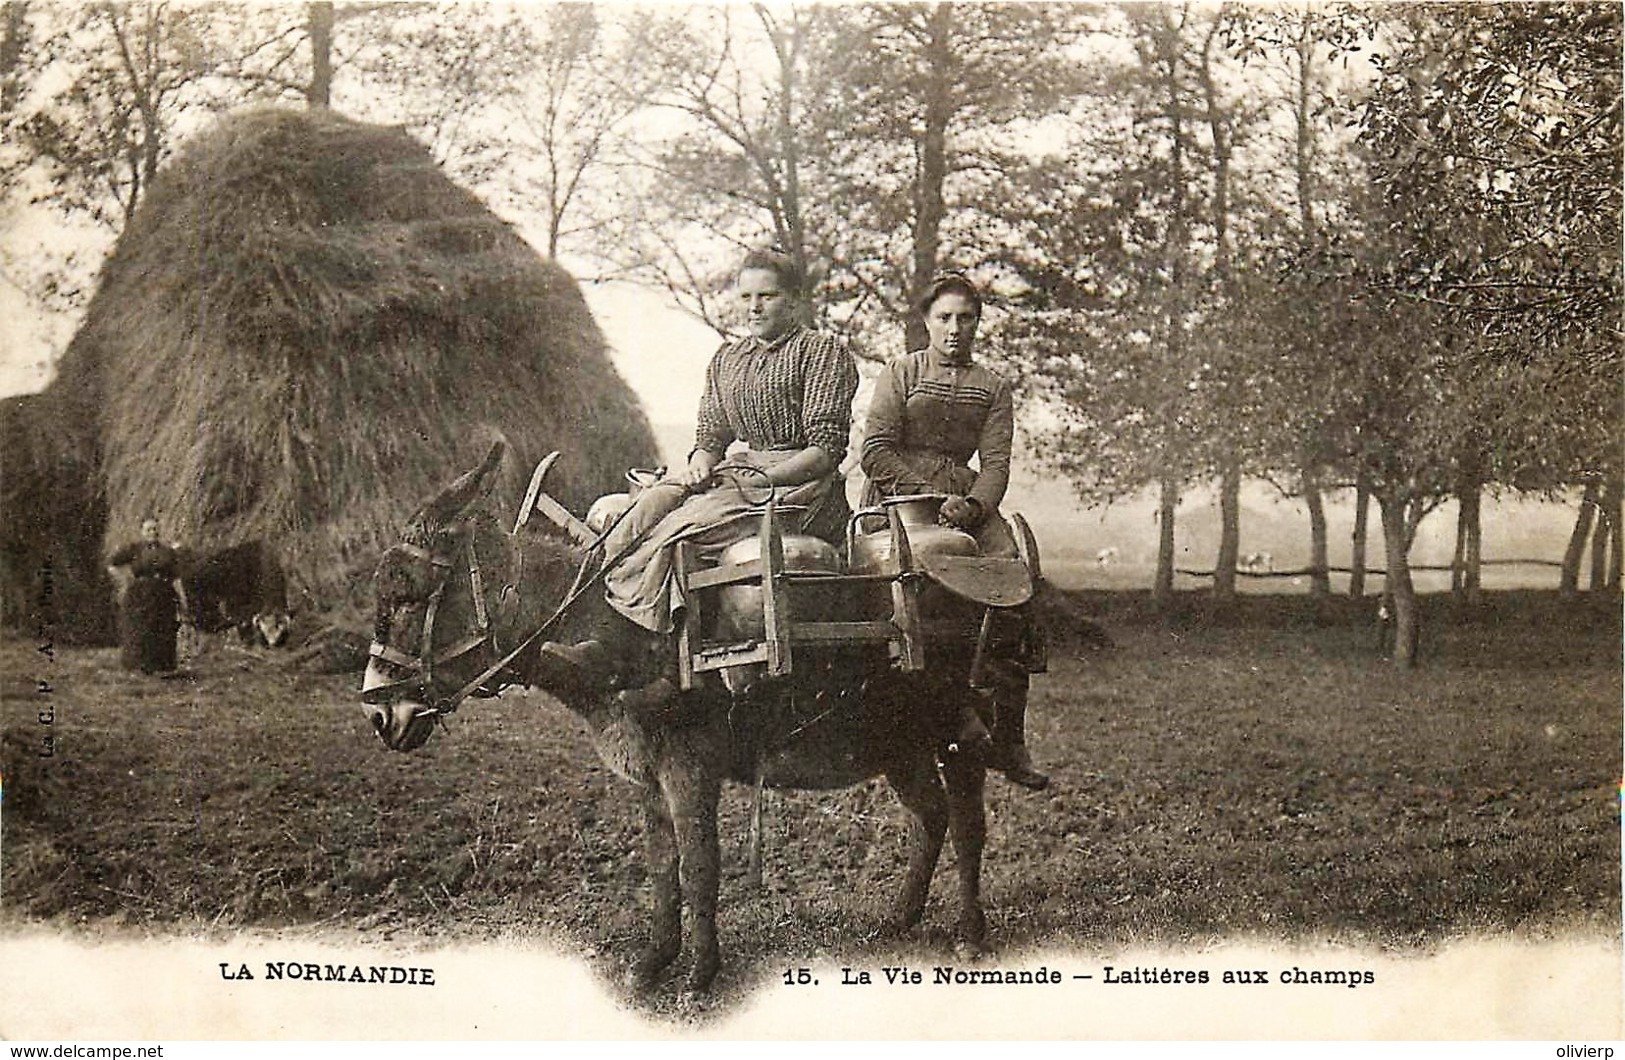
x=468, y=488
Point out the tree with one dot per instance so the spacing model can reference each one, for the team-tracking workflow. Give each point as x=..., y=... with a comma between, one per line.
x=732, y=166
x=862, y=140
x=1297, y=59
x=1496, y=138
x=1133, y=387
x=102, y=140
x=929, y=120
x=1509, y=117
x=575, y=99
x=1408, y=383
x=1232, y=380
x=532, y=106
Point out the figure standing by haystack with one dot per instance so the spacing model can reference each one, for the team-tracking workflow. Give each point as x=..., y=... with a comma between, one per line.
x=785, y=393
x=932, y=411
x=150, y=601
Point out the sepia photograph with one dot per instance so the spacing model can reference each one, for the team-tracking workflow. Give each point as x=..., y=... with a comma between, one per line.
x=721, y=522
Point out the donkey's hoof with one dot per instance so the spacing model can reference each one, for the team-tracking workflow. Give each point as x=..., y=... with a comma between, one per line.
x=641, y=980
x=971, y=931
x=643, y=976
x=700, y=977
x=896, y=925
x=698, y=987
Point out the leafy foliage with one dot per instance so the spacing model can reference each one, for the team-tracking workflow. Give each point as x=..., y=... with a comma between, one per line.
x=1496, y=133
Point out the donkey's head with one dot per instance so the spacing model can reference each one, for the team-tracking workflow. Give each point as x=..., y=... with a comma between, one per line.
x=436, y=598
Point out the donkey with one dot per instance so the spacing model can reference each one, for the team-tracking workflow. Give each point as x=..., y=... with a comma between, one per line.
x=459, y=594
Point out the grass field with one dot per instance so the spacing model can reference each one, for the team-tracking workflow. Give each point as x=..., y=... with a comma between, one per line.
x=1258, y=774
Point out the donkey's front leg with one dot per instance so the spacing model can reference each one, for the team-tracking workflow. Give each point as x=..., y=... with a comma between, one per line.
x=920, y=791
x=692, y=792
x=660, y=852
x=967, y=820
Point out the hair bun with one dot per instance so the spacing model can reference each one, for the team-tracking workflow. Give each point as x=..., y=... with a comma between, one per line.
x=781, y=263
x=946, y=282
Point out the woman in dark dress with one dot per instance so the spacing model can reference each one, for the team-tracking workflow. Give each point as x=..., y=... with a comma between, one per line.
x=150, y=602
x=932, y=411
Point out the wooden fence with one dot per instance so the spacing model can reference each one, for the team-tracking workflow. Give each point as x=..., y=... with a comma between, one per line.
x=1370, y=572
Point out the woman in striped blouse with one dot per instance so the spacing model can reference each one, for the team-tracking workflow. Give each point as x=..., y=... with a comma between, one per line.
x=785, y=392
x=932, y=411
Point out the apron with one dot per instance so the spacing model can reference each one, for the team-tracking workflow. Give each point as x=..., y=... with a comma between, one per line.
x=640, y=586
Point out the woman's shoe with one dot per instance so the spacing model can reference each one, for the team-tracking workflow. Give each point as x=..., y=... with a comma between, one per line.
x=1017, y=766
x=587, y=657
x=572, y=671
x=1010, y=747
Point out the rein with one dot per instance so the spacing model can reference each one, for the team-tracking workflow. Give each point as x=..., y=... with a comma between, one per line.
x=424, y=664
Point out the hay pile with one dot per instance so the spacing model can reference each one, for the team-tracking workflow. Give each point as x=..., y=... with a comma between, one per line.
x=52, y=516
x=307, y=329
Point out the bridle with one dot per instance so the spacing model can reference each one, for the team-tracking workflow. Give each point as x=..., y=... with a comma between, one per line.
x=418, y=681
x=418, y=671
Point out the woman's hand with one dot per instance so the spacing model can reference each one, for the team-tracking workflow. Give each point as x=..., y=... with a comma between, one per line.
x=961, y=513
x=701, y=464
x=805, y=466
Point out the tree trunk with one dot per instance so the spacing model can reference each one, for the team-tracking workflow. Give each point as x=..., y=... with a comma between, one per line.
x=1224, y=568
x=787, y=44
x=1616, y=531
x=320, y=93
x=1303, y=139
x=1320, y=581
x=1473, y=575
x=1357, y=549
x=1163, y=589
x=1407, y=625
x=1569, y=582
x=1467, y=561
x=1601, y=534
x=149, y=95
x=1458, y=557
x=932, y=160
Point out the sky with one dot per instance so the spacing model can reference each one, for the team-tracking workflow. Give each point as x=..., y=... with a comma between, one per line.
x=660, y=350
x=30, y=339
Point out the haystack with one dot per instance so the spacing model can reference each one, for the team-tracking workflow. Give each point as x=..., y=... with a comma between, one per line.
x=308, y=329
x=52, y=516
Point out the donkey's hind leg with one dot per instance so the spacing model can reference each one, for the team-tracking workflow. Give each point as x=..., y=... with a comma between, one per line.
x=920, y=790
x=660, y=851
x=967, y=820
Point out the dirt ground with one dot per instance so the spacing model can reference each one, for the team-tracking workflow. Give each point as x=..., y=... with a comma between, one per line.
x=1255, y=774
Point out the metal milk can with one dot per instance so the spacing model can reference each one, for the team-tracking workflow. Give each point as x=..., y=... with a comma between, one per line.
x=739, y=607
x=871, y=553
x=606, y=509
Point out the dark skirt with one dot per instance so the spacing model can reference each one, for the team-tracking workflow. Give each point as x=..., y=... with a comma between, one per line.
x=147, y=626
